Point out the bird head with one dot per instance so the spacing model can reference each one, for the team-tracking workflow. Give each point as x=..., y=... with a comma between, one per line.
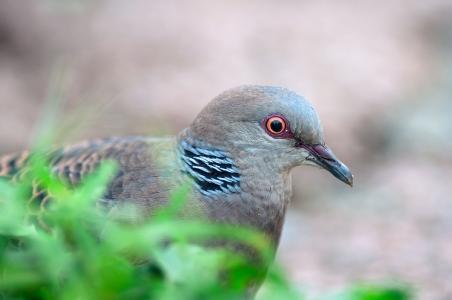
x=267, y=126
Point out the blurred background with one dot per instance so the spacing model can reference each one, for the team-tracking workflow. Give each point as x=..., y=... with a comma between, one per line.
x=379, y=73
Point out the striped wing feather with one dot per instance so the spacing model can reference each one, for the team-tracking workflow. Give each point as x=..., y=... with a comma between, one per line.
x=136, y=180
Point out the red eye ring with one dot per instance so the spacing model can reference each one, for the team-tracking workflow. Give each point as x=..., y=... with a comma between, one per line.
x=275, y=125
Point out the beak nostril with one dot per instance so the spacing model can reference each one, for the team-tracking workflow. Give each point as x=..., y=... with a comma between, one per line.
x=324, y=157
x=323, y=152
x=318, y=150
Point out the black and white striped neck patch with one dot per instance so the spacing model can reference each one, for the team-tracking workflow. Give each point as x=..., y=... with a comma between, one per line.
x=213, y=171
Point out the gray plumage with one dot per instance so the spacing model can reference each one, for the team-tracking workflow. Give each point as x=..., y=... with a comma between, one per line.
x=240, y=168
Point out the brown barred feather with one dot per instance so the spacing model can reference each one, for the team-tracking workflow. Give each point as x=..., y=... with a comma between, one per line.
x=136, y=181
x=12, y=164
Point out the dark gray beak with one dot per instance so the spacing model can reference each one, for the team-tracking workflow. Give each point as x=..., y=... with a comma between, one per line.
x=322, y=156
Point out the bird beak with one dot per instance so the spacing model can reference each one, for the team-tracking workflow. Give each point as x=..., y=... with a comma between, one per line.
x=322, y=156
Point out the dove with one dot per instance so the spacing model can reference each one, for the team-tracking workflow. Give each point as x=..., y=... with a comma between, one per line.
x=237, y=153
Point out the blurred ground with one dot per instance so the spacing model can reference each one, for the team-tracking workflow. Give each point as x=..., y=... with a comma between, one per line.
x=380, y=75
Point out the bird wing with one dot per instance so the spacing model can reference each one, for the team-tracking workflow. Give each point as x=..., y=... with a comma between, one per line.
x=140, y=179
x=12, y=164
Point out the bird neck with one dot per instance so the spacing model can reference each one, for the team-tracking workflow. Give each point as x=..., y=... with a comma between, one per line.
x=213, y=171
x=218, y=171
x=254, y=189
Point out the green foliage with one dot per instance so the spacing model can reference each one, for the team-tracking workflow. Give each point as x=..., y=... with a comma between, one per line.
x=374, y=292
x=71, y=250
x=369, y=292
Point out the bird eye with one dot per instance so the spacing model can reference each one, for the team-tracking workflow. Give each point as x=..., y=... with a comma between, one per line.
x=276, y=125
